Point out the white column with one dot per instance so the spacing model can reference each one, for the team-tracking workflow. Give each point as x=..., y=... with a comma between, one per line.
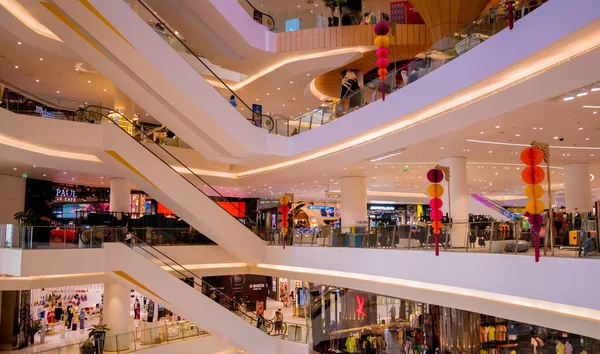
x=116, y=315
x=354, y=201
x=119, y=195
x=456, y=197
x=124, y=104
x=578, y=190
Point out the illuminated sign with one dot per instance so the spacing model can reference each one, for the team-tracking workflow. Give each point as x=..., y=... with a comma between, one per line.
x=321, y=207
x=360, y=305
x=65, y=195
x=382, y=207
x=43, y=112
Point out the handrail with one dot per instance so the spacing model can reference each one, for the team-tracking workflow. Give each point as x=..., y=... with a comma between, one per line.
x=85, y=109
x=153, y=14
x=272, y=26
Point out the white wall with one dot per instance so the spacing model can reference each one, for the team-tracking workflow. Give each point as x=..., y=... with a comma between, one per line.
x=12, y=197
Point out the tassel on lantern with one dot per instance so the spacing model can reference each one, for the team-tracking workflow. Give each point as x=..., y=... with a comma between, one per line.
x=510, y=9
x=435, y=191
x=382, y=42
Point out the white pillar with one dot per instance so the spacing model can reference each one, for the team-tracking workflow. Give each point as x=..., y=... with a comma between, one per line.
x=119, y=195
x=456, y=196
x=354, y=201
x=578, y=190
x=124, y=104
x=116, y=315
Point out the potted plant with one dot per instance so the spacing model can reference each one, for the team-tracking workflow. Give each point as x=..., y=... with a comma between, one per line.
x=96, y=338
x=332, y=5
x=24, y=218
x=87, y=347
x=32, y=328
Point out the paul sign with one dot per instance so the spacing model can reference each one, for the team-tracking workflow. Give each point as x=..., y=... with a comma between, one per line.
x=65, y=195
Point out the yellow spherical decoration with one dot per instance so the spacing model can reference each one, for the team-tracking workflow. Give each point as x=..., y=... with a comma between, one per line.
x=535, y=207
x=382, y=41
x=435, y=190
x=284, y=200
x=534, y=191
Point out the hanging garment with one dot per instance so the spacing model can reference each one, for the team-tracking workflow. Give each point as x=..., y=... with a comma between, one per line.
x=351, y=344
x=568, y=348
x=483, y=334
x=560, y=348
x=491, y=333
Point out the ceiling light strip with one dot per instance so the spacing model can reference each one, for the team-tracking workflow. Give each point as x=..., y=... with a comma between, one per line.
x=23, y=145
x=525, y=145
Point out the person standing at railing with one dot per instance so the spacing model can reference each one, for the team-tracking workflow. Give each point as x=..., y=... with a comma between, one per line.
x=278, y=321
x=232, y=101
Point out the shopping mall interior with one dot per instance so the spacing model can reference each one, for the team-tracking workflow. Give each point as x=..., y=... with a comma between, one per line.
x=299, y=176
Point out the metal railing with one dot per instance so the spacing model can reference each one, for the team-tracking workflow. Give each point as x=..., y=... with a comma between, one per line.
x=159, y=334
x=270, y=24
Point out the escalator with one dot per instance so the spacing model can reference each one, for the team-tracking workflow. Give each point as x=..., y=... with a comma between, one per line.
x=492, y=206
x=162, y=175
x=141, y=266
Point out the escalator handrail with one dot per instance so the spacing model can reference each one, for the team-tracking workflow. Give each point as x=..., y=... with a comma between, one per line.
x=206, y=66
x=85, y=109
x=213, y=288
x=272, y=26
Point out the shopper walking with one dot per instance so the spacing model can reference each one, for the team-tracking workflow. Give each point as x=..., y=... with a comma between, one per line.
x=393, y=314
x=232, y=101
x=278, y=321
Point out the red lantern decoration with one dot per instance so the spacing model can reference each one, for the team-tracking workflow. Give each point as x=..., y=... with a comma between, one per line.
x=533, y=175
x=510, y=10
x=381, y=29
x=435, y=191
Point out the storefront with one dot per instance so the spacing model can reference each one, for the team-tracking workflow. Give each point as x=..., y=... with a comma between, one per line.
x=250, y=290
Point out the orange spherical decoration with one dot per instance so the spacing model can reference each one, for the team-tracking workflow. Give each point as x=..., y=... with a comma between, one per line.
x=532, y=156
x=436, y=231
x=436, y=224
x=382, y=41
x=382, y=72
x=284, y=199
x=284, y=223
x=533, y=175
x=435, y=190
x=534, y=191
x=535, y=207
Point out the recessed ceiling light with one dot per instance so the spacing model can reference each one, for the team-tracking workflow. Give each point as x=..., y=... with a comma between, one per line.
x=34, y=166
x=441, y=148
x=580, y=128
x=14, y=168
x=41, y=59
x=480, y=132
x=101, y=177
x=279, y=88
x=16, y=66
x=283, y=105
x=591, y=154
x=587, y=138
x=89, y=81
x=57, y=91
x=569, y=97
x=497, y=127
x=541, y=128
x=104, y=90
x=37, y=80
x=64, y=173
x=176, y=33
x=594, y=112
x=19, y=43
x=555, y=138
x=44, y=175
x=582, y=92
x=596, y=87
x=294, y=98
x=489, y=152
x=72, y=179
x=291, y=82
x=517, y=134
x=267, y=93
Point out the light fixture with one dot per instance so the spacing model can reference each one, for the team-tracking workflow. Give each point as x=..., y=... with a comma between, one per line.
x=44, y=175
x=489, y=152
x=497, y=127
x=596, y=87
x=279, y=88
x=517, y=134
x=582, y=92
x=441, y=148
x=555, y=138
x=16, y=66
x=34, y=166
x=569, y=97
x=595, y=112
x=294, y=98
x=19, y=43
x=283, y=105
x=89, y=81
x=57, y=91
x=41, y=59
x=307, y=74
x=37, y=80
x=64, y=173
x=104, y=90
x=580, y=128
x=101, y=177
x=587, y=138
x=176, y=33
x=267, y=93
x=14, y=168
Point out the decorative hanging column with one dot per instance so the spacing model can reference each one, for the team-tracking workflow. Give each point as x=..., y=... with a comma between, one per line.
x=533, y=175
x=435, y=191
x=382, y=42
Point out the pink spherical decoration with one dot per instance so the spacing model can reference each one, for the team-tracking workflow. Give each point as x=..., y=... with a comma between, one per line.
x=435, y=176
x=383, y=63
x=436, y=203
x=382, y=28
x=436, y=215
x=382, y=53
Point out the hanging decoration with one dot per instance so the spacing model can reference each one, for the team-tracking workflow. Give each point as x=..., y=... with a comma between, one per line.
x=382, y=42
x=533, y=175
x=435, y=191
x=510, y=11
x=284, y=217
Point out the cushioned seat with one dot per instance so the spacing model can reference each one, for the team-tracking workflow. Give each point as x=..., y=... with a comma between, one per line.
x=522, y=246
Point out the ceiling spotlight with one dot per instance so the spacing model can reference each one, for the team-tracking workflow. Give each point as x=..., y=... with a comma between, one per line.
x=497, y=127
x=57, y=91
x=37, y=80
x=64, y=173
x=267, y=93
x=14, y=168
x=291, y=82
x=517, y=134
x=587, y=138
x=104, y=90
x=293, y=99
x=16, y=66
x=19, y=43
x=596, y=87
x=279, y=88
x=89, y=81
x=580, y=128
x=44, y=175
x=555, y=138
x=41, y=59
x=569, y=97
x=582, y=92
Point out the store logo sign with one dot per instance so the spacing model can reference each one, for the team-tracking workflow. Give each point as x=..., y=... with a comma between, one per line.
x=360, y=305
x=44, y=113
x=256, y=287
x=382, y=207
x=65, y=195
